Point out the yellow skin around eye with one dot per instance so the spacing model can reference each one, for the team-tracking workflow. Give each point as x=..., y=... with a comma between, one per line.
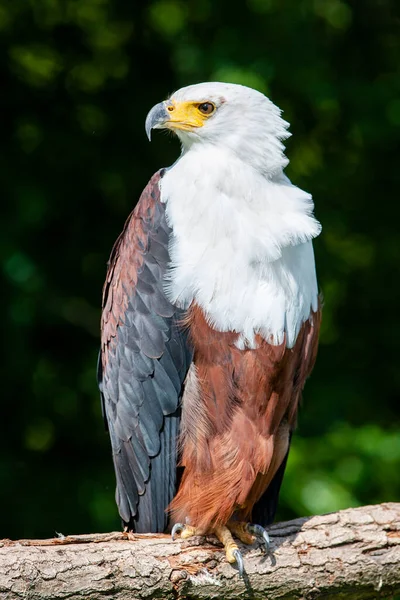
x=185, y=115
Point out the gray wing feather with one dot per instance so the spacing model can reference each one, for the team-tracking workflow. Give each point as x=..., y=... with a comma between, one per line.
x=145, y=358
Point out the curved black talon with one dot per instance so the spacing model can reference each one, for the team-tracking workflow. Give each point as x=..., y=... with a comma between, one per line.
x=259, y=532
x=239, y=562
x=177, y=528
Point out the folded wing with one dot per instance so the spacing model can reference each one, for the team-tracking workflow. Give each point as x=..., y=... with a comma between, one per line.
x=144, y=360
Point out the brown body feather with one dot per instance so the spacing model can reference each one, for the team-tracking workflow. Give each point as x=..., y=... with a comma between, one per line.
x=239, y=407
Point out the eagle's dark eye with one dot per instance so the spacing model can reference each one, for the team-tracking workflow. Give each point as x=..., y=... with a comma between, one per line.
x=207, y=108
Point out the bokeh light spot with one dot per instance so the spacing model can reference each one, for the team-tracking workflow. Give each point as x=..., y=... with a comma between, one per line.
x=39, y=435
x=168, y=17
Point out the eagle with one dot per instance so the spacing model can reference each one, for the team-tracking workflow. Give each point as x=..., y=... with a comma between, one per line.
x=210, y=323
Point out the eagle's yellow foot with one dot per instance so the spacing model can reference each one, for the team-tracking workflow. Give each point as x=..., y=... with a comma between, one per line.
x=249, y=532
x=232, y=551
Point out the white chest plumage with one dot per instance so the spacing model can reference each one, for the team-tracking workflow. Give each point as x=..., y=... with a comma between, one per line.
x=241, y=245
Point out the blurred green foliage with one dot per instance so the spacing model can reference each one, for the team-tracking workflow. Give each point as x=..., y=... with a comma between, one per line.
x=78, y=77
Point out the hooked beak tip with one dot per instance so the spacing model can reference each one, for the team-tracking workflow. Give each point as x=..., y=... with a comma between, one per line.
x=156, y=118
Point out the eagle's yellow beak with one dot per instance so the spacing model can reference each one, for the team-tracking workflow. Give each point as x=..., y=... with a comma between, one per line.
x=175, y=115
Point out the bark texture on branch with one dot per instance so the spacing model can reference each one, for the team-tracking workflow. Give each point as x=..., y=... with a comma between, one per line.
x=353, y=554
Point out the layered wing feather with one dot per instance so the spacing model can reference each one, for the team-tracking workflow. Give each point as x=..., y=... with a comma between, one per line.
x=144, y=361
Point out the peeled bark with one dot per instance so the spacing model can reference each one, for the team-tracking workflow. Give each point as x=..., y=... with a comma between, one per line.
x=353, y=554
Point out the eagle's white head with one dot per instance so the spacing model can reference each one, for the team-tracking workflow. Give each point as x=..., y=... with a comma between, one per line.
x=224, y=114
x=241, y=242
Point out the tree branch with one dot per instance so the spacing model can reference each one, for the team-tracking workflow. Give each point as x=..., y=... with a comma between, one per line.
x=353, y=554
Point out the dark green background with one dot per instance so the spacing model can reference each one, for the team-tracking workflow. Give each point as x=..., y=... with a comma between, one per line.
x=78, y=79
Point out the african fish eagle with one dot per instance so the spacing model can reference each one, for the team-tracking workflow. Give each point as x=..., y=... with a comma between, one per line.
x=210, y=323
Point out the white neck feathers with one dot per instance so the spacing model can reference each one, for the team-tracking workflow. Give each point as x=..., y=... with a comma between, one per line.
x=241, y=245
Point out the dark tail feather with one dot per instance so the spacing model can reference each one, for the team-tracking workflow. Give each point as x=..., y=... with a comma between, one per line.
x=264, y=510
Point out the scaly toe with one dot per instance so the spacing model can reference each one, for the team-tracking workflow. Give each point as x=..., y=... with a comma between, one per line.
x=189, y=532
x=239, y=530
x=232, y=551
